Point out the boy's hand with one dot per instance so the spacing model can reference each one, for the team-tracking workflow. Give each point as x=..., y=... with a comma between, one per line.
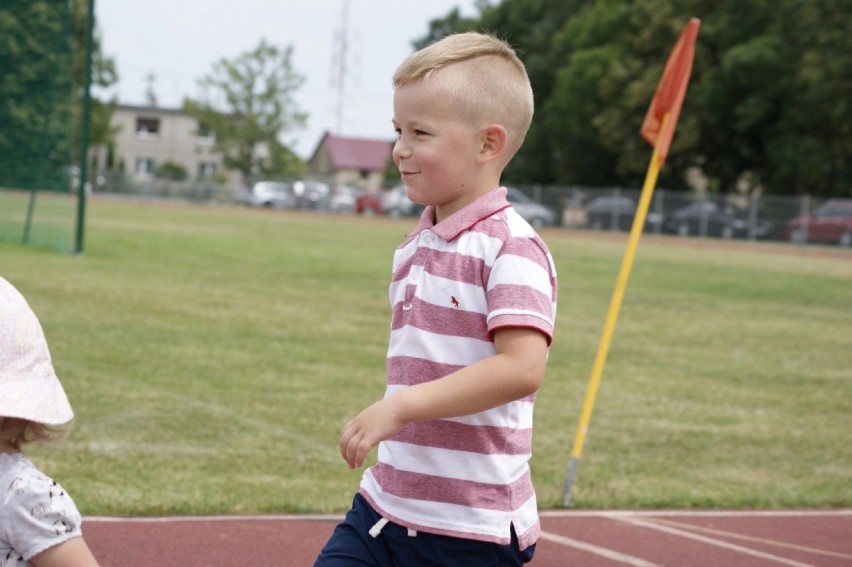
x=376, y=423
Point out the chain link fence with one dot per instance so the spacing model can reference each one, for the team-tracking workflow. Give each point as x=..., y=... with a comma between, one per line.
x=37, y=109
x=679, y=213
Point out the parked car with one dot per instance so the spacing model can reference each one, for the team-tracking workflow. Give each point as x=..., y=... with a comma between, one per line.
x=617, y=213
x=831, y=222
x=708, y=218
x=395, y=203
x=268, y=194
x=311, y=194
x=343, y=199
x=369, y=202
x=534, y=213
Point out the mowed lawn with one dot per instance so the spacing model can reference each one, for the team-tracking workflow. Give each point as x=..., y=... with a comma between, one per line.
x=212, y=354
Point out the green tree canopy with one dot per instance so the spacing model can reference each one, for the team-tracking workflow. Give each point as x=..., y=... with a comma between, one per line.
x=104, y=75
x=42, y=54
x=769, y=95
x=248, y=103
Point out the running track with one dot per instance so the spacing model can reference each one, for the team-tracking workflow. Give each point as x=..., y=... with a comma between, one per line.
x=570, y=538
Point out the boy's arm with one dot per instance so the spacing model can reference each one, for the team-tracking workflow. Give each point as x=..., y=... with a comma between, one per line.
x=514, y=372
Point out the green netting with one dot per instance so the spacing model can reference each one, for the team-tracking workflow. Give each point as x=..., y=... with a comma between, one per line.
x=37, y=106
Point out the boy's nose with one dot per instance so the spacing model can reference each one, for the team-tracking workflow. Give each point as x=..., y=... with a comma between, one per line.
x=400, y=150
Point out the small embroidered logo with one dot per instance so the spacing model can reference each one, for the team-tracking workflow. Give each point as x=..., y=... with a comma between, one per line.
x=454, y=301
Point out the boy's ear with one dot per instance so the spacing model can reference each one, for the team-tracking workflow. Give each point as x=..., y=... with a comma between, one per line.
x=493, y=142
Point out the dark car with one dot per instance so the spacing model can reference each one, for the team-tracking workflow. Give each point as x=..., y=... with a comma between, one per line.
x=533, y=212
x=831, y=222
x=616, y=213
x=708, y=218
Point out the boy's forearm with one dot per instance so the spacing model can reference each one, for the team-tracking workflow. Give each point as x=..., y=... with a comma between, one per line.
x=513, y=373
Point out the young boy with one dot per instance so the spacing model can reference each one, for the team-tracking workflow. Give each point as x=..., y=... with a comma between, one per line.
x=473, y=295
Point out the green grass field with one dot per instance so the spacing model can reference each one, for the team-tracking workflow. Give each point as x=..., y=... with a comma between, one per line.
x=213, y=353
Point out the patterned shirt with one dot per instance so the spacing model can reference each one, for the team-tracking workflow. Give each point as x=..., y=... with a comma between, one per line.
x=454, y=283
x=36, y=513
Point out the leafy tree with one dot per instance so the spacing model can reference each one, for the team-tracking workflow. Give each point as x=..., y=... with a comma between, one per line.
x=248, y=103
x=104, y=75
x=773, y=94
x=769, y=95
x=35, y=89
x=42, y=49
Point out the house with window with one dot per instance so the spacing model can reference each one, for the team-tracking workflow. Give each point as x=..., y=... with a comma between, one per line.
x=149, y=137
x=341, y=160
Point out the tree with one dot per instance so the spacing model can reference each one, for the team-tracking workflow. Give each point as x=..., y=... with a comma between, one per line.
x=35, y=94
x=768, y=99
x=248, y=104
x=103, y=75
x=42, y=50
x=774, y=95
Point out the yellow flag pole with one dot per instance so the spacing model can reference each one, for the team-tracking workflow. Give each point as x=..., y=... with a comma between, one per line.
x=612, y=317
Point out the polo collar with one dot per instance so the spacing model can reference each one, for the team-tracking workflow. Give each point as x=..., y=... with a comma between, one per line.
x=451, y=227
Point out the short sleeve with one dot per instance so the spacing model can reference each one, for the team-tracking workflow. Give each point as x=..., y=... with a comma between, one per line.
x=38, y=513
x=521, y=287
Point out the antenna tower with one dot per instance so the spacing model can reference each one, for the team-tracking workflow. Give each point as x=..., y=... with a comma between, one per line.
x=339, y=62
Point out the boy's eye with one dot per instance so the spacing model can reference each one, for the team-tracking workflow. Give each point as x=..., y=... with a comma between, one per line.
x=419, y=133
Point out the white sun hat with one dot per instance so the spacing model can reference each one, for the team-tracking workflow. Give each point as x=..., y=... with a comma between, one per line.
x=29, y=388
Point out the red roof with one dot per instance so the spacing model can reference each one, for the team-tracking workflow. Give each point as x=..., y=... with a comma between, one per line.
x=356, y=153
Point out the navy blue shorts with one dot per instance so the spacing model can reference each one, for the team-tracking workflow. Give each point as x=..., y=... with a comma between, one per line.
x=351, y=545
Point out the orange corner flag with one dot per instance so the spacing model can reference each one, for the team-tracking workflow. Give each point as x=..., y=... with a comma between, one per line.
x=657, y=129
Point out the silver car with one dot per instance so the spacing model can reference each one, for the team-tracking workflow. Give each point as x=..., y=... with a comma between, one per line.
x=270, y=194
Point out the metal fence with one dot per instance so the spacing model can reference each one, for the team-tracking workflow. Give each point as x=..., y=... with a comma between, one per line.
x=682, y=213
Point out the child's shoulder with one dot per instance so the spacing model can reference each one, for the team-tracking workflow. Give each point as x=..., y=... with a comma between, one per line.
x=19, y=478
x=35, y=511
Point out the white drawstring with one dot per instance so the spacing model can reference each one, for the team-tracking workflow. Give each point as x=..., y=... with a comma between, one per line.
x=377, y=528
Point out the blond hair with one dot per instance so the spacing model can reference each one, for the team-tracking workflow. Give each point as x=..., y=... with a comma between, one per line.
x=17, y=432
x=484, y=76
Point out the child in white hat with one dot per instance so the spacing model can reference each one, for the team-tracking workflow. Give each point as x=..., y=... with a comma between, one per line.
x=39, y=523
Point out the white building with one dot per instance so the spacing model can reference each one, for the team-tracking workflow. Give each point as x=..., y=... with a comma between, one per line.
x=149, y=137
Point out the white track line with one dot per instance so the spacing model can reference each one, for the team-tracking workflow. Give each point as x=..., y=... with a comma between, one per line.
x=696, y=513
x=710, y=541
x=189, y=519
x=543, y=513
x=596, y=550
x=734, y=535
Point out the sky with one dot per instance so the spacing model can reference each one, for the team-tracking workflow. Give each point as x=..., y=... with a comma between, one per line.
x=178, y=42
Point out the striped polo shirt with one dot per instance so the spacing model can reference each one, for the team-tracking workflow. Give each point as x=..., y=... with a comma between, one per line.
x=454, y=283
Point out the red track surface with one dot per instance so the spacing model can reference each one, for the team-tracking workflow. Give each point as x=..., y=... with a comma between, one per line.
x=570, y=538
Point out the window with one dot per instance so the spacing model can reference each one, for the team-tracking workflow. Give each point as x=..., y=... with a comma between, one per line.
x=144, y=166
x=147, y=128
x=206, y=170
x=205, y=135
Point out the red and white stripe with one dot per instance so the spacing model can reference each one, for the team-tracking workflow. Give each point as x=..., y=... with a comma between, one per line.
x=453, y=285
